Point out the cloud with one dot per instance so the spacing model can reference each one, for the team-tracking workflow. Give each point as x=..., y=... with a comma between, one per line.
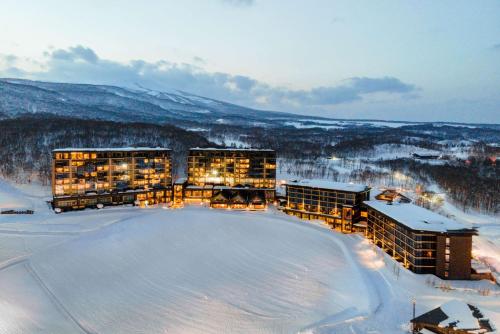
x=496, y=47
x=240, y=3
x=75, y=54
x=82, y=65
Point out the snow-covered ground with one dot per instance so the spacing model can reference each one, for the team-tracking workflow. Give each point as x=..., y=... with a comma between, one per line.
x=338, y=124
x=395, y=151
x=226, y=141
x=198, y=270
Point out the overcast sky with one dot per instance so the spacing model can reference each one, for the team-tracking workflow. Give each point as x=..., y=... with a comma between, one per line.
x=422, y=60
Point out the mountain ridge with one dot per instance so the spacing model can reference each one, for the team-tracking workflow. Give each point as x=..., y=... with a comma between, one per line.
x=114, y=103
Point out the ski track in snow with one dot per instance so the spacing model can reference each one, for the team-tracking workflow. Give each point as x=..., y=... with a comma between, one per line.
x=197, y=270
x=37, y=263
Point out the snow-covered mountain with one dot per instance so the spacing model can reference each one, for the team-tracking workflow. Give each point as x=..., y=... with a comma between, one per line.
x=112, y=103
x=121, y=104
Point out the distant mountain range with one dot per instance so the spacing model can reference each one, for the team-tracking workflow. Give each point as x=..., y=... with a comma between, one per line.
x=18, y=97
x=121, y=104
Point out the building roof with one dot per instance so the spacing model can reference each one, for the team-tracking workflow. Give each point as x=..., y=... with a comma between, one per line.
x=425, y=331
x=231, y=149
x=109, y=149
x=195, y=187
x=432, y=317
x=327, y=184
x=479, y=267
x=222, y=187
x=417, y=218
x=392, y=195
x=180, y=180
x=457, y=315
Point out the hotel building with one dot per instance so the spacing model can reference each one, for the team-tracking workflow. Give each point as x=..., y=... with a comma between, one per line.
x=94, y=177
x=230, y=177
x=425, y=242
x=338, y=204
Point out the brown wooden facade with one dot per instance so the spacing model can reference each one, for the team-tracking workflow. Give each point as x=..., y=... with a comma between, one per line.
x=445, y=254
x=93, y=177
x=340, y=208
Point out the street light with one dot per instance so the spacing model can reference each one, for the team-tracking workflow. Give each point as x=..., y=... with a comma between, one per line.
x=413, y=301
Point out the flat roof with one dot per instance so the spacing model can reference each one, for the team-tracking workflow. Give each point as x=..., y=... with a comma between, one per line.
x=327, y=184
x=207, y=186
x=109, y=149
x=181, y=180
x=417, y=218
x=230, y=149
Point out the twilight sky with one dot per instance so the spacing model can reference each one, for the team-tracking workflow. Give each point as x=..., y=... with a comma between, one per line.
x=422, y=60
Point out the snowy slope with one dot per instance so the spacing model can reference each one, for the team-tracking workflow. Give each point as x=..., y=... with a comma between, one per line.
x=120, y=104
x=198, y=270
x=146, y=105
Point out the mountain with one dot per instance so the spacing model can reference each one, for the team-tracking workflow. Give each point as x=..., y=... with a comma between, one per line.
x=122, y=104
x=190, y=111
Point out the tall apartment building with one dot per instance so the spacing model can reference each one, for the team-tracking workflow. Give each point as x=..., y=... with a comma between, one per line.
x=231, y=177
x=338, y=204
x=94, y=177
x=425, y=242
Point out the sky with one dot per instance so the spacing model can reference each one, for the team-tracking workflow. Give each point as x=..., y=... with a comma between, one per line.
x=414, y=60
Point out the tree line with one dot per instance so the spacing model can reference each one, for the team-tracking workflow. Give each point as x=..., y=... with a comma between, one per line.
x=27, y=142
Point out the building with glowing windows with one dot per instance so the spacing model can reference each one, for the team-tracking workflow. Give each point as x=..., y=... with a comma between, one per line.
x=338, y=204
x=95, y=177
x=231, y=178
x=424, y=241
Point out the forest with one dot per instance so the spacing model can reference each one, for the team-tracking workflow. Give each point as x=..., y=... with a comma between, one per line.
x=472, y=181
x=27, y=142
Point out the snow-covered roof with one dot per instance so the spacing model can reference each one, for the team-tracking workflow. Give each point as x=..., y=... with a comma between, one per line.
x=425, y=331
x=326, y=184
x=479, y=267
x=109, y=149
x=459, y=316
x=206, y=186
x=416, y=217
x=231, y=149
x=239, y=188
x=180, y=180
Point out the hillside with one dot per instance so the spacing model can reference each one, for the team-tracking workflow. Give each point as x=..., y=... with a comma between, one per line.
x=197, y=270
x=111, y=103
x=120, y=104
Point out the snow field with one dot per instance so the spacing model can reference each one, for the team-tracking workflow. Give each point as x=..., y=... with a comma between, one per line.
x=201, y=271
x=198, y=270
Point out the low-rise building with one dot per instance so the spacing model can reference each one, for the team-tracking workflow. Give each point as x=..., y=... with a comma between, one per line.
x=392, y=195
x=338, y=204
x=94, y=177
x=453, y=317
x=424, y=241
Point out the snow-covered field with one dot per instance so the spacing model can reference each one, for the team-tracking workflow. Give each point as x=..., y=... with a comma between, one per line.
x=198, y=270
x=307, y=123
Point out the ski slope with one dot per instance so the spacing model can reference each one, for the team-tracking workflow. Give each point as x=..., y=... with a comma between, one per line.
x=199, y=270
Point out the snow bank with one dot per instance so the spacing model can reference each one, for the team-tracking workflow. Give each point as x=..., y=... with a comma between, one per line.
x=10, y=198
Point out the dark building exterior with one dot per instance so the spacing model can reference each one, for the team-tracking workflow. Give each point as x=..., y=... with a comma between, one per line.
x=425, y=242
x=94, y=177
x=453, y=317
x=225, y=176
x=338, y=204
x=391, y=195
